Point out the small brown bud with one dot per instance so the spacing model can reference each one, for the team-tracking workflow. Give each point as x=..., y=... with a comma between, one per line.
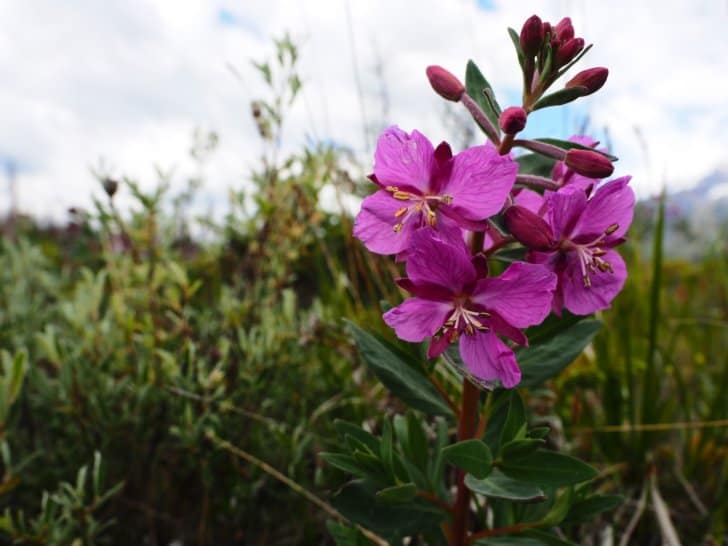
x=445, y=83
x=592, y=79
x=528, y=228
x=110, y=186
x=513, y=120
x=590, y=164
x=532, y=36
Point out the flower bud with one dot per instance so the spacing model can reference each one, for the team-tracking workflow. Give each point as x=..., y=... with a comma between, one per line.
x=532, y=36
x=547, y=30
x=592, y=79
x=445, y=83
x=564, y=30
x=567, y=51
x=512, y=120
x=528, y=228
x=588, y=163
x=110, y=186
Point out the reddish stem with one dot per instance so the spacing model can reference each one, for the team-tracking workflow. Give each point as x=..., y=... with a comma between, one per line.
x=503, y=530
x=466, y=431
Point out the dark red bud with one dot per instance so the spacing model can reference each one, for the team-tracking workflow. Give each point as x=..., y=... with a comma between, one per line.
x=445, y=83
x=532, y=36
x=547, y=30
x=528, y=228
x=512, y=120
x=592, y=79
x=564, y=30
x=567, y=51
x=590, y=164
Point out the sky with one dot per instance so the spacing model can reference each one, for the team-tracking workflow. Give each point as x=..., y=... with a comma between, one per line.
x=121, y=86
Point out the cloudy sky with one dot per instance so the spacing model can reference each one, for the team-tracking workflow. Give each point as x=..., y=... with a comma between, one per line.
x=124, y=84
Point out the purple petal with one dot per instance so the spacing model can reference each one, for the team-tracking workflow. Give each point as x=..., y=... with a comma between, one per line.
x=416, y=319
x=374, y=225
x=521, y=295
x=584, y=300
x=563, y=210
x=404, y=161
x=530, y=200
x=434, y=261
x=479, y=183
x=426, y=291
x=437, y=346
x=502, y=328
x=612, y=203
x=488, y=359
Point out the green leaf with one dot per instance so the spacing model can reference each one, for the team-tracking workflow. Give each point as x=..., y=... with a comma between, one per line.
x=515, y=423
x=499, y=486
x=387, y=449
x=473, y=456
x=587, y=509
x=538, y=432
x=566, y=145
x=532, y=537
x=345, y=462
x=405, y=382
x=19, y=369
x=520, y=448
x=344, y=535
x=560, y=508
x=476, y=86
x=344, y=428
x=516, y=39
x=549, y=468
x=537, y=164
x=417, y=440
x=542, y=361
x=397, y=494
x=357, y=502
x=562, y=96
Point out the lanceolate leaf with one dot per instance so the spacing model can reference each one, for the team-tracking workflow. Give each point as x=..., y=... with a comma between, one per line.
x=562, y=96
x=473, y=456
x=357, y=502
x=499, y=486
x=548, y=468
x=566, y=145
x=476, y=86
x=586, y=509
x=543, y=361
x=406, y=382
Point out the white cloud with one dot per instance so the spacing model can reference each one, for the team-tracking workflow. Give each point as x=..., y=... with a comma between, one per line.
x=129, y=81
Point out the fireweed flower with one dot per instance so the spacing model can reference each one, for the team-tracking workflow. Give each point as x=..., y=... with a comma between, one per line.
x=452, y=302
x=426, y=188
x=585, y=230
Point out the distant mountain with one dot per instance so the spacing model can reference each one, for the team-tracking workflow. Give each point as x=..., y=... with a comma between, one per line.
x=695, y=218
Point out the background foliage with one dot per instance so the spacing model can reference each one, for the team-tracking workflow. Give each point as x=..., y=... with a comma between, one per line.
x=139, y=346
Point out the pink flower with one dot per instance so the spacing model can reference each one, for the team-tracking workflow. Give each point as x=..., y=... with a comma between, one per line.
x=426, y=188
x=585, y=230
x=453, y=302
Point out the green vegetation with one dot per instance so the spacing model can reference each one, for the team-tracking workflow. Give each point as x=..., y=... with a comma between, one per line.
x=149, y=377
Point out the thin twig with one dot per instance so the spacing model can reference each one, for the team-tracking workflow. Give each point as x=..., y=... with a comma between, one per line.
x=503, y=530
x=635, y=518
x=265, y=467
x=653, y=426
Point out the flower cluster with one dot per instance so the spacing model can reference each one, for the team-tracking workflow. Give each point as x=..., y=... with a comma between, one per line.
x=443, y=214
